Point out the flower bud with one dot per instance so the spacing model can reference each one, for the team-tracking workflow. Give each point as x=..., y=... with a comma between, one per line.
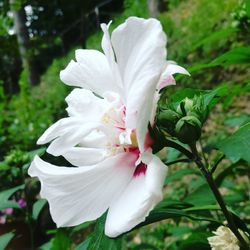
x=167, y=120
x=188, y=129
x=185, y=106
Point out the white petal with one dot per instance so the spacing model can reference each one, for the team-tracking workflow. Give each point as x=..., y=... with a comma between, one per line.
x=79, y=156
x=167, y=75
x=95, y=139
x=141, y=195
x=63, y=143
x=91, y=71
x=66, y=133
x=109, y=53
x=59, y=128
x=76, y=195
x=106, y=43
x=83, y=103
x=172, y=69
x=139, y=47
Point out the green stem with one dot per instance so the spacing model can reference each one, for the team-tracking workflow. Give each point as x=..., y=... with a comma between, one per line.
x=172, y=144
x=177, y=161
x=213, y=168
x=209, y=178
x=194, y=156
x=203, y=153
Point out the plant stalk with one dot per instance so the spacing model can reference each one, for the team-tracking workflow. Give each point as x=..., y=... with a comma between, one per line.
x=209, y=178
x=194, y=156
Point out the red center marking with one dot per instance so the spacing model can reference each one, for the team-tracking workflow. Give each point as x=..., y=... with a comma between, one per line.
x=140, y=169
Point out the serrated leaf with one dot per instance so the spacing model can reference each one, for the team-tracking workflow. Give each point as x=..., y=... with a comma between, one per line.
x=5, y=239
x=237, y=146
x=37, y=207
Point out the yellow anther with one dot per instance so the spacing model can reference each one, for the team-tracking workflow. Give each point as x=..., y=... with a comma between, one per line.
x=133, y=139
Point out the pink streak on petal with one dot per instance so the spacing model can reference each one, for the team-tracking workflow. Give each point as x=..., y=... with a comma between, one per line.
x=135, y=151
x=169, y=80
x=140, y=169
x=148, y=141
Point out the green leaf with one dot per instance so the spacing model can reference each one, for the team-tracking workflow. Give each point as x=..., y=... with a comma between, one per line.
x=218, y=35
x=8, y=204
x=37, y=208
x=248, y=7
x=181, y=94
x=212, y=97
x=237, y=120
x=145, y=246
x=202, y=208
x=5, y=195
x=84, y=245
x=61, y=240
x=172, y=154
x=168, y=213
x=5, y=239
x=234, y=56
x=178, y=174
x=197, y=240
x=236, y=146
x=201, y=196
x=82, y=226
x=4, y=166
x=168, y=209
x=100, y=241
x=46, y=246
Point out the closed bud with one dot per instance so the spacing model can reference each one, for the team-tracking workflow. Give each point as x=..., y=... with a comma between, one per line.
x=185, y=106
x=188, y=129
x=167, y=120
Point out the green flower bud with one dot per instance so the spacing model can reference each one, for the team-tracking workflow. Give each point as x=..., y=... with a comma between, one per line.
x=188, y=129
x=185, y=106
x=167, y=120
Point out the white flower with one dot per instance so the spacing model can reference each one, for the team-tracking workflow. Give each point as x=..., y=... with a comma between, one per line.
x=105, y=135
x=224, y=239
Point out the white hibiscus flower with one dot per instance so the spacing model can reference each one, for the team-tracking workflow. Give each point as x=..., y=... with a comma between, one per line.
x=105, y=135
x=224, y=239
